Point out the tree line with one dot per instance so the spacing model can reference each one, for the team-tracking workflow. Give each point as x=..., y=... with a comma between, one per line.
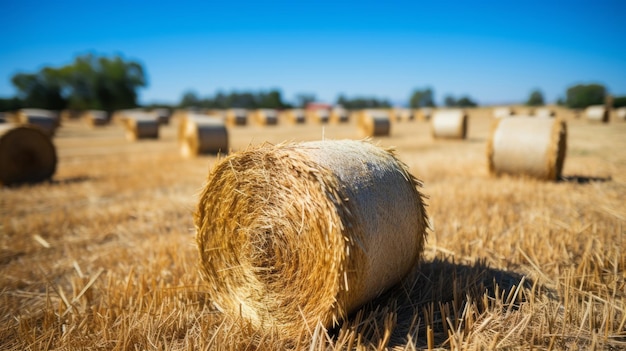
x=112, y=83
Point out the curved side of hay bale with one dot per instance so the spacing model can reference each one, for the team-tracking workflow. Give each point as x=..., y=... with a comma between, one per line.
x=202, y=135
x=450, y=124
x=295, y=234
x=236, y=117
x=141, y=126
x=597, y=113
x=528, y=146
x=374, y=123
x=544, y=112
x=27, y=155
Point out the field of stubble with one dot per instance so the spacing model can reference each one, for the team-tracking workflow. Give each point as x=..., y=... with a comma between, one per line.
x=104, y=257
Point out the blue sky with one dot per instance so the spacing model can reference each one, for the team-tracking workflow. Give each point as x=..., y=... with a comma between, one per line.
x=494, y=51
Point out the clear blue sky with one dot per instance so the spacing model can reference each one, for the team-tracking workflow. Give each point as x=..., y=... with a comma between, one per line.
x=493, y=51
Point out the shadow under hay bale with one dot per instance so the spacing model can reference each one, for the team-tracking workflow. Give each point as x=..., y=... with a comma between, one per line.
x=298, y=234
x=534, y=147
x=27, y=155
x=449, y=124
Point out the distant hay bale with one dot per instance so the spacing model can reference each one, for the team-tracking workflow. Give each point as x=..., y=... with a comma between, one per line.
x=96, y=118
x=294, y=234
x=67, y=115
x=47, y=121
x=374, y=123
x=339, y=115
x=401, y=114
x=501, y=112
x=162, y=115
x=319, y=116
x=451, y=124
x=620, y=114
x=534, y=147
x=141, y=125
x=295, y=116
x=266, y=117
x=27, y=155
x=236, y=117
x=597, y=113
x=425, y=113
x=200, y=134
x=544, y=112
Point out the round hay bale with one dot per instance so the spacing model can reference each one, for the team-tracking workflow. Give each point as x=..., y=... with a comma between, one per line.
x=374, y=123
x=319, y=115
x=534, y=147
x=96, y=118
x=620, y=114
x=162, y=115
x=141, y=125
x=424, y=113
x=47, y=121
x=339, y=115
x=202, y=135
x=266, y=117
x=294, y=234
x=401, y=114
x=450, y=124
x=295, y=116
x=236, y=117
x=544, y=112
x=501, y=112
x=27, y=155
x=597, y=113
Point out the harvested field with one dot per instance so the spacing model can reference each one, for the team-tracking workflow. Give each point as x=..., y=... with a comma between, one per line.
x=104, y=256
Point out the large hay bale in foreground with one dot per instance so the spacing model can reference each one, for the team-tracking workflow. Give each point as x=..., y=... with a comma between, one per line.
x=141, y=125
x=597, y=113
x=374, y=123
x=529, y=146
x=200, y=134
x=236, y=117
x=47, y=121
x=27, y=155
x=451, y=124
x=295, y=234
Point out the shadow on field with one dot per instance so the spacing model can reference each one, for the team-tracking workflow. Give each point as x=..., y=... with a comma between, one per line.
x=71, y=180
x=433, y=292
x=584, y=179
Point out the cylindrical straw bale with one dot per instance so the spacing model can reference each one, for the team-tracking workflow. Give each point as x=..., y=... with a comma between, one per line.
x=534, y=147
x=319, y=115
x=339, y=115
x=295, y=116
x=374, y=123
x=236, y=117
x=401, y=114
x=450, y=124
x=96, y=118
x=544, y=112
x=141, y=125
x=425, y=113
x=620, y=114
x=202, y=135
x=501, y=112
x=597, y=113
x=27, y=155
x=67, y=115
x=266, y=117
x=46, y=120
x=162, y=115
x=294, y=234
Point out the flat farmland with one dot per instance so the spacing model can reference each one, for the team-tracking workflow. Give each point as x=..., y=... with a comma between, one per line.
x=103, y=257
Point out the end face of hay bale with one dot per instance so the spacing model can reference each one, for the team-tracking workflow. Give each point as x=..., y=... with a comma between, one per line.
x=450, y=124
x=597, y=113
x=202, y=135
x=374, y=123
x=295, y=234
x=528, y=146
x=27, y=155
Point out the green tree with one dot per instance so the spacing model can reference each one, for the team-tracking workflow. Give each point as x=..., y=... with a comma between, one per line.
x=581, y=96
x=41, y=90
x=189, y=99
x=449, y=101
x=619, y=101
x=10, y=104
x=304, y=99
x=464, y=101
x=422, y=98
x=535, y=98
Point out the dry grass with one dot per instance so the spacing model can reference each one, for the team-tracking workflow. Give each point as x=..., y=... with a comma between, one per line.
x=104, y=258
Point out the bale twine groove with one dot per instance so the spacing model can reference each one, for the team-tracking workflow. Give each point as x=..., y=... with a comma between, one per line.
x=294, y=234
x=534, y=147
x=141, y=125
x=200, y=134
x=374, y=123
x=27, y=155
x=597, y=113
x=450, y=124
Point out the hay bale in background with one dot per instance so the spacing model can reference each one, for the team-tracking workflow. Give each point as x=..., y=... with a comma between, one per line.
x=266, y=117
x=374, y=123
x=534, y=147
x=597, y=113
x=294, y=116
x=620, y=114
x=450, y=124
x=67, y=115
x=501, y=112
x=319, y=115
x=401, y=115
x=295, y=234
x=27, y=155
x=544, y=112
x=141, y=125
x=199, y=134
x=47, y=121
x=236, y=117
x=162, y=115
x=95, y=118
x=339, y=115
x=424, y=113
